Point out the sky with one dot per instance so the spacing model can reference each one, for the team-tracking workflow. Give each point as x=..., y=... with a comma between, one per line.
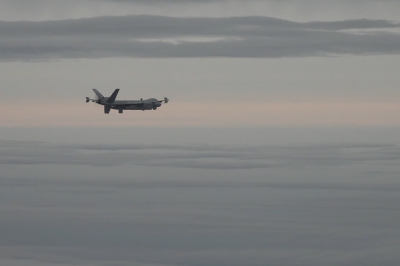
x=279, y=145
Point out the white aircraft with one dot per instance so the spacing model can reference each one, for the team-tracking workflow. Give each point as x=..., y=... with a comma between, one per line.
x=110, y=103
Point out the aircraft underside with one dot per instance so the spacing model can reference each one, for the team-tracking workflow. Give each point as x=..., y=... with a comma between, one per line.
x=134, y=107
x=122, y=108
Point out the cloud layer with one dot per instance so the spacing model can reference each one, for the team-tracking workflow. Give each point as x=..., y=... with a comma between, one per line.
x=198, y=204
x=195, y=156
x=168, y=37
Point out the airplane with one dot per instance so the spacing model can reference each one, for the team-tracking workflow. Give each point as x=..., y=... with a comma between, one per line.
x=110, y=103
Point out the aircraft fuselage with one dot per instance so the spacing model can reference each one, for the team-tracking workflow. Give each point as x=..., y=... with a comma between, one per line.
x=120, y=105
x=148, y=104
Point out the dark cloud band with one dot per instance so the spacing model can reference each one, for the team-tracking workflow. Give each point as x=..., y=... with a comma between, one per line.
x=169, y=37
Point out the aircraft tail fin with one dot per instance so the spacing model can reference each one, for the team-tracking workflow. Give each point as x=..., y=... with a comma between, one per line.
x=98, y=94
x=111, y=99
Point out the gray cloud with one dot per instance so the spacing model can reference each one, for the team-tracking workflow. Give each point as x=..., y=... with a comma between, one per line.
x=149, y=2
x=196, y=156
x=58, y=208
x=103, y=185
x=163, y=37
x=367, y=160
x=213, y=1
x=206, y=226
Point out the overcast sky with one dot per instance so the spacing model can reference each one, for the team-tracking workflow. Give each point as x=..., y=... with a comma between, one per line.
x=303, y=58
x=279, y=145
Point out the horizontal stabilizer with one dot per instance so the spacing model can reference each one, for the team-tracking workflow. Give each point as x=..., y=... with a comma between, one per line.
x=98, y=94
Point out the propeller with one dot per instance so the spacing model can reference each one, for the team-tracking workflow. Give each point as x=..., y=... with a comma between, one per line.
x=166, y=99
x=94, y=99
